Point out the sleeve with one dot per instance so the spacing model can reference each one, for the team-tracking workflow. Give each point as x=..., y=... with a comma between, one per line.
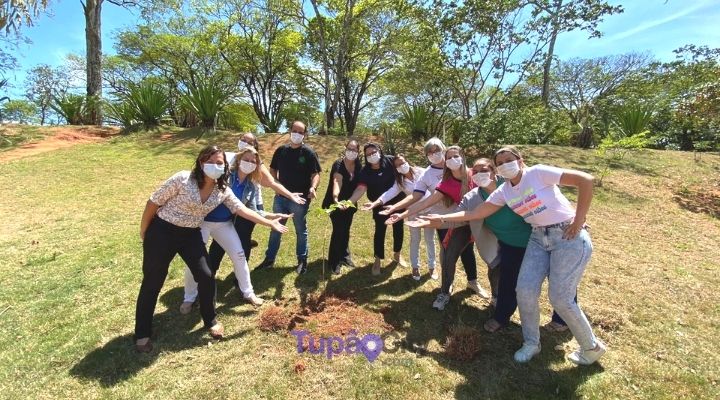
x=547, y=174
x=498, y=196
x=275, y=162
x=362, y=178
x=390, y=193
x=253, y=205
x=315, y=166
x=231, y=201
x=446, y=187
x=259, y=198
x=421, y=184
x=169, y=188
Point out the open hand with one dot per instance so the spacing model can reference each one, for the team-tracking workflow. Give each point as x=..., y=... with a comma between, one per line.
x=368, y=206
x=387, y=210
x=297, y=198
x=278, y=227
x=393, y=219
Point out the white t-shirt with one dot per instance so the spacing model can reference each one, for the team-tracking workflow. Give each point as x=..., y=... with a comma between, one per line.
x=536, y=197
x=426, y=184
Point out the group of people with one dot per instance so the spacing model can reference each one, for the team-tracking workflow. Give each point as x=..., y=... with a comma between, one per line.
x=523, y=227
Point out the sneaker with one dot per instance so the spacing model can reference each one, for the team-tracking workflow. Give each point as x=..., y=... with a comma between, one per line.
x=376, y=267
x=336, y=269
x=493, y=301
x=254, y=300
x=553, y=326
x=349, y=262
x=416, y=273
x=441, y=301
x=434, y=274
x=253, y=243
x=265, y=264
x=526, y=353
x=398, y=259
x=186, y=307
x=301, y=267
x=473, y=285
x=587, y=357
x=143, y=345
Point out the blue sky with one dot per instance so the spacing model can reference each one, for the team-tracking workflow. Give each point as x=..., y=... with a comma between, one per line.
x=657, y=26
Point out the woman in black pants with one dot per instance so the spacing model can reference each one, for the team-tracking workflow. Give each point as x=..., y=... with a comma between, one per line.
x=343, y=182
x=376, y=177
x=170, y=225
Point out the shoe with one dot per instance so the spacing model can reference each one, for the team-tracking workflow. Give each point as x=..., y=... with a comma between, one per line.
x=186, y=307
x=253, y=243
x=473, y=285
x=349, y=262
x=553, y=326
x=526, y=353
x=376, y=267
x=265, y=264
x=217, y=331
x=492, y=325
x=254, y=300
x=587, y=357
x=441, y=301
x=434, y=274
x=143, y=345
x=416, y=273
x=301, y=268
x=336, y=269
x=398, y=259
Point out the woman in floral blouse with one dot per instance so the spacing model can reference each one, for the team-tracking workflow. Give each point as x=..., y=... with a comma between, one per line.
x=170, y=225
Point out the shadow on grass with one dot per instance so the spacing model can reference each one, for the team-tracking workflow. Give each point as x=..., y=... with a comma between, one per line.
x=117, y=360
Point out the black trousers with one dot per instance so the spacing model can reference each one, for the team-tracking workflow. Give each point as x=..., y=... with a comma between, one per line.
x=340, y=238
x=510, y=261
x=379, y=236
x=460, y=246
x=163, y=241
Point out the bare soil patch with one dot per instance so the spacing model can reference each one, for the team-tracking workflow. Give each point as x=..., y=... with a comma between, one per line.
x=58, y=138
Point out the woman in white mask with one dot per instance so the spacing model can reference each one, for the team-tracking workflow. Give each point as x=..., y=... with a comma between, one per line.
x=343, y=182
x=170, y=225
x=455, y=183
x=219, y=224
x=559, y=248
x=406, y=176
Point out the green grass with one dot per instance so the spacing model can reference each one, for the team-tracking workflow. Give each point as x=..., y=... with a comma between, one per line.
x=16, y=135
x=70, y=261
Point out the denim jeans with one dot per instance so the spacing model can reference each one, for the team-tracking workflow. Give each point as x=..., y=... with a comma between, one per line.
x=563, y=262
x=287, y=206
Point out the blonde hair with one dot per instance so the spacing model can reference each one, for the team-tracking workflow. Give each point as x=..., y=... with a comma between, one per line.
x=255, y=175
x=507, y=149
x=432, y=143
x=447, y=174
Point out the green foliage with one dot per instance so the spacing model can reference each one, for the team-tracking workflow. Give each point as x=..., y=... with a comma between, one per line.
x=149, y=102
x=206, y=100
x=121, y=112
x=633, y=120
x=72, y=107
x=239, y=117
x=20, y=111
x=612, y=150
x=415, y=119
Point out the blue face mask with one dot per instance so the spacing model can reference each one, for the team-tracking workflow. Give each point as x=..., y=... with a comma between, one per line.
x=213, y=170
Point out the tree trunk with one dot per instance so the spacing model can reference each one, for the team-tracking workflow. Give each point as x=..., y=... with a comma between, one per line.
x=551, y=50
x=93, y=44
x=584, y=139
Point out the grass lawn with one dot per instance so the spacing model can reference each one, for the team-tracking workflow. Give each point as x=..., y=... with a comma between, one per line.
x=70, y=260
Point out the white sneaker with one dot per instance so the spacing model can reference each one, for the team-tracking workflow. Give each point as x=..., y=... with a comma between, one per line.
x=254, y=300
x=441, y=301
x=526, y=353
x=434, y=274
x=186, y=307
x=473, y=285
x=587, y=357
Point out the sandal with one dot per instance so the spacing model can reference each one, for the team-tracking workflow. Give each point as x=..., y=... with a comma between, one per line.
x=492, y=325
x=553, y=326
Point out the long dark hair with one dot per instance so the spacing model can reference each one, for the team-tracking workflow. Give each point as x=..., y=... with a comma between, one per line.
x=398, y=176
x=357, y=163
x=205, y=154
x=380, y=150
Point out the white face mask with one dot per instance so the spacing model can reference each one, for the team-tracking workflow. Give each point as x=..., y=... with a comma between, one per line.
x=509, y=170
x=243, y=145
x=247, y=167
x=436, y=158
x=296, y=138
x=374, y=158
x=213, y=170
x=454, y=163
x=351, y=155
x=482, y=179
x=404, y=168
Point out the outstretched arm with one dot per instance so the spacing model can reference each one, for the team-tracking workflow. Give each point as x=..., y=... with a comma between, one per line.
x=483, y=211
x=268, y=180
x=404, y=203
x=253, y=216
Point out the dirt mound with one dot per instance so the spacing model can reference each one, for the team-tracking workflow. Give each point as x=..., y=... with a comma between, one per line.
x=704, y=199
x=58, y=138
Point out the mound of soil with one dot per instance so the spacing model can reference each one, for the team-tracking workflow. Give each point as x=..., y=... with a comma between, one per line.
x=704, y=199
x=58, y=138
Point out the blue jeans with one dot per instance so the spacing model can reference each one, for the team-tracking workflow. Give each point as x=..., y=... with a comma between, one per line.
x=563, y=262
x=287, y=206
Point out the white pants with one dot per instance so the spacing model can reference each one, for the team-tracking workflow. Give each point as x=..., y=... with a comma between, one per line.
x=227, y=238
x=429, y=234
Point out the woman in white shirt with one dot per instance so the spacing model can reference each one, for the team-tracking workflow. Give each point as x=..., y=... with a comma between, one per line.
x=170, y=225
x=559, y=247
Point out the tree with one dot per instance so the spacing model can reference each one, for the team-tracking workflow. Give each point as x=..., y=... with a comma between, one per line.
x=42, y=83
x=580, y=84
x=18, y=111
x=15, y=13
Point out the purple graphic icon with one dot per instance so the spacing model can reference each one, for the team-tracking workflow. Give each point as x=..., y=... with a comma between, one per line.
x=371, y=345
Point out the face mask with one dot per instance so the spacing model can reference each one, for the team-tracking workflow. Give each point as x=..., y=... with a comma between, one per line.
x=436, y=158
x=247, y=167
x=242, y=145
x=213, y=171
x=482, y=179
x=454, y=163
x=509, y=170
x=296, y=138
x=351, y=155
x=373, y=158
x=404, y=168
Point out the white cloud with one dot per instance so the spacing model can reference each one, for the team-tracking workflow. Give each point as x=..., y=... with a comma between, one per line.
x=651, y=24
